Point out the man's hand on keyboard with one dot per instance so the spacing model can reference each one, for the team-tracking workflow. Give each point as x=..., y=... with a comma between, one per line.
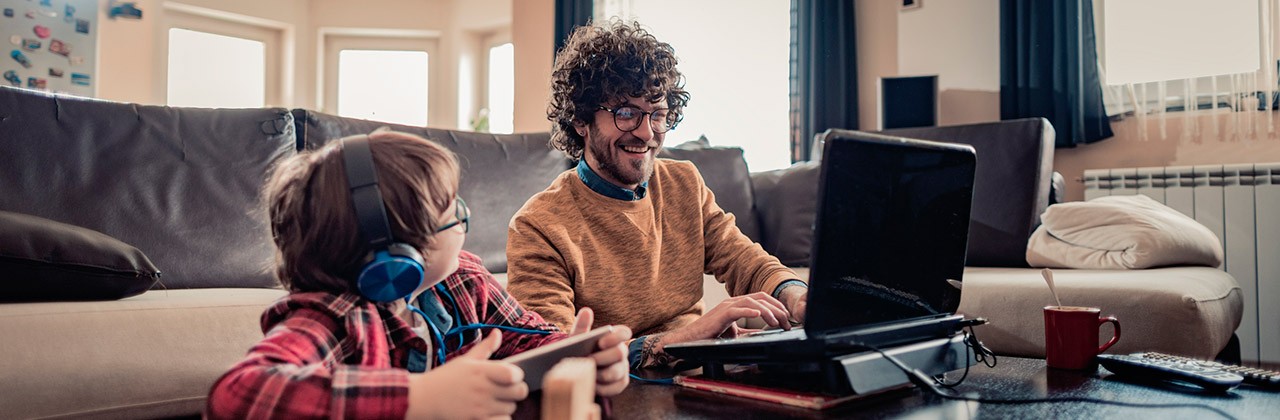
x=796, y=299
x=720, y=321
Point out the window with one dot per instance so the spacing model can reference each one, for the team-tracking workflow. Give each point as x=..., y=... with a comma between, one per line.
x=1155, y=57
x=211, y=70
x=365, y=77
x=1152, y=40
x=736, y=70
x=502, y=88
x=219, y=59
x=381, y=75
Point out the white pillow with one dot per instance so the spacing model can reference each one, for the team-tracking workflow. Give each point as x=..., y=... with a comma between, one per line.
x=1120, y=232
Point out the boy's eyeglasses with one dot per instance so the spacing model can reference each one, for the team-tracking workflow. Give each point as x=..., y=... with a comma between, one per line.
x=627, y=118
x=463, y=215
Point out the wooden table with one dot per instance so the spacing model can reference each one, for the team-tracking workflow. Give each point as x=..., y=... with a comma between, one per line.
x=1012, y=378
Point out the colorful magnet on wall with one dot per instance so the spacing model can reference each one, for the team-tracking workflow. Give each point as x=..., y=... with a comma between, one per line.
x=80, y=79
x=75, y=60
x=20, y=58
x=31, y=44
x=8, y=12
x=31, y=14
x=82, y=26
x=55, y=72
x=48, y=3
x=68, y=13
x=41, y=31
x=36, y=83
x=58, y=47
x=12, y=77
x=127, y=10
x=15, y=40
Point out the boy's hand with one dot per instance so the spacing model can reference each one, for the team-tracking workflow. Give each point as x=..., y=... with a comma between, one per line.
x=611, y=357
x=469, y=386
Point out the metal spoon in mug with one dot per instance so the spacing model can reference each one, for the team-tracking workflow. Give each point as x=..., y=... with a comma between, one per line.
x=1048, y=278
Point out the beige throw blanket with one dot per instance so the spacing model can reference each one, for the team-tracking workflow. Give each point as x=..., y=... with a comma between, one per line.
x=1120, y=232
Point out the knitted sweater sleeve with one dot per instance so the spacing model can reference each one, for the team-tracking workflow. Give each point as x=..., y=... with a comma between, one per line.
x=732, y=257
x=536, y=273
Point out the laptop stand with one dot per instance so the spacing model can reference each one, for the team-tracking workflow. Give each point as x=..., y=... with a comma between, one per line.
x=859, y=373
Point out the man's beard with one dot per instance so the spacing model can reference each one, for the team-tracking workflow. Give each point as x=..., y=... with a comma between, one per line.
x=605, y=154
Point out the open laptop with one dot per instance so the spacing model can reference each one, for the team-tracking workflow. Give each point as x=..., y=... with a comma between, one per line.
x=892, y=228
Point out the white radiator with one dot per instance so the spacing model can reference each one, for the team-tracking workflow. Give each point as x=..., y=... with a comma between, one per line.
x=1239, y=203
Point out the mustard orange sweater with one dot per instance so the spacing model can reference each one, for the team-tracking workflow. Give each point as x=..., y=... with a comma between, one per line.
x=635, y=263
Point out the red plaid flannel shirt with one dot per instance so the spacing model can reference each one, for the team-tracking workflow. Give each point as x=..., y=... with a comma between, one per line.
x=344, y=356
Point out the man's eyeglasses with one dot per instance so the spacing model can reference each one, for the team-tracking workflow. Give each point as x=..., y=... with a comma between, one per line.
x=463, y=215
x=627, y=118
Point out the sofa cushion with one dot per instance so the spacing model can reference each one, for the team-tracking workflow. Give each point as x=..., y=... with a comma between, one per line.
x=787, y=203
x=725, y=171
x=1011, y=184
x=499, y=172
x=1189, y=311
x=43, y=260
x=180, y=184
x=154, y=355
x=1121, y=232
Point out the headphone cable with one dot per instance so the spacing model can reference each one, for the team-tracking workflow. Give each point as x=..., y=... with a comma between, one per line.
x=440, y=337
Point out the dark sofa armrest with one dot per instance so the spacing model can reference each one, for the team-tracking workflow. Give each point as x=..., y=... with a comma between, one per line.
x=1011, y=188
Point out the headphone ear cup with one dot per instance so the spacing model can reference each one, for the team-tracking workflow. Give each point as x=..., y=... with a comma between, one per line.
x=390, y=274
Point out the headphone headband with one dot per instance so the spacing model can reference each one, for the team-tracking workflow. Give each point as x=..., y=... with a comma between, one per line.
x=366, y=198
x=391, y=270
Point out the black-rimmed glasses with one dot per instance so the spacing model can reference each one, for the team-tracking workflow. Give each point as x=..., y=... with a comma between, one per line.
x=627, y=118
x=464, y=217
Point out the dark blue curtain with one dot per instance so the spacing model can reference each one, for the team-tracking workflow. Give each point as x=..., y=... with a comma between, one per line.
x=570, y=14
x=1049, y=68
x=824, y=70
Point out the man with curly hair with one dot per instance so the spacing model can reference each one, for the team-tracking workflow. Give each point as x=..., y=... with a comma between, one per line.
x=625, y=233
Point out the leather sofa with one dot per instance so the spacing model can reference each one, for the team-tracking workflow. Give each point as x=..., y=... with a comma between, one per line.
x=181, y=185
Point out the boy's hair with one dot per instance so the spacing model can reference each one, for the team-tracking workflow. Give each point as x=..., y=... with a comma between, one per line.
x=318, y=242
x=608, y=63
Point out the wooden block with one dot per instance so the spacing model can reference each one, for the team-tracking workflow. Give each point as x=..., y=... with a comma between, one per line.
x=569, y=390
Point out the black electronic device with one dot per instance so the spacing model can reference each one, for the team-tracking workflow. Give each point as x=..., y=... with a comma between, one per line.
x=537, y=362
x=1138, y=367
x=1252, y=376
x=891, y=231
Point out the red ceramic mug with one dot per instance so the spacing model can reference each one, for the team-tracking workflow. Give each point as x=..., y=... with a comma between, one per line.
x=1071, y=336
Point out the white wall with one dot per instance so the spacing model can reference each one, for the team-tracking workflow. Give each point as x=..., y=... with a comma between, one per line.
x=532, y=30
x=957, y=40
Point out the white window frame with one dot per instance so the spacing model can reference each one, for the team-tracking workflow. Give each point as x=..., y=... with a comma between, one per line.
x=490, y=41
x=333, y=40
x=275, y=36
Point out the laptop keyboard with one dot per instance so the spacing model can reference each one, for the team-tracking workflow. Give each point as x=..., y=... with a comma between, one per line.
x=767, y=336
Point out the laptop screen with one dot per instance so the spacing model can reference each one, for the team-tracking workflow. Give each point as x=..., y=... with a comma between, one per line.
x=892, y=227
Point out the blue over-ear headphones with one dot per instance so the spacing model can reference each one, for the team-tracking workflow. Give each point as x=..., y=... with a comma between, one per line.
x=392, y=270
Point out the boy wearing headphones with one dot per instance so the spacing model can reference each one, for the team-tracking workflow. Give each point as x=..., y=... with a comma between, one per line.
x=385, y=312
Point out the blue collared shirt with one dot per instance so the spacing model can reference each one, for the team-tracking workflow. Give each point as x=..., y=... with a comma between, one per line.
x=606, y=188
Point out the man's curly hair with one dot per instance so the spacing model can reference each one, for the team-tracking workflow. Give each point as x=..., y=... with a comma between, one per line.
x=604, y=64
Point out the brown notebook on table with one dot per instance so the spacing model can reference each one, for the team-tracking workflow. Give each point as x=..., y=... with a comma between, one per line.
x=747, y=382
